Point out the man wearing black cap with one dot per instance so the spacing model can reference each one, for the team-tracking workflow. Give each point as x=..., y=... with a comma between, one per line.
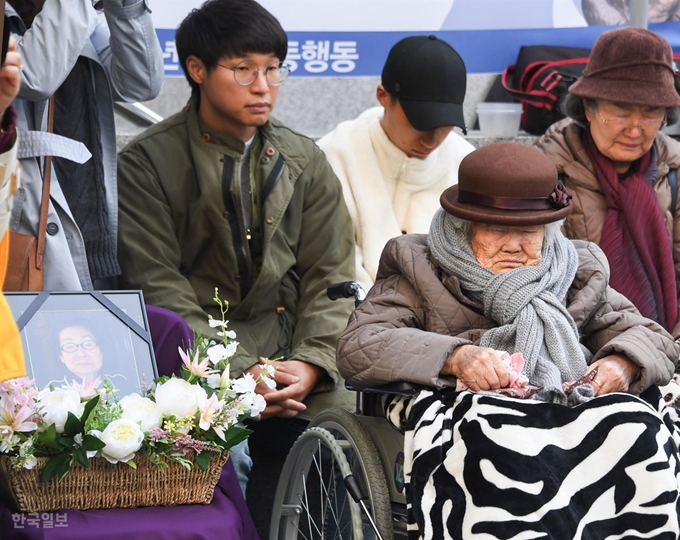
x=394, y=161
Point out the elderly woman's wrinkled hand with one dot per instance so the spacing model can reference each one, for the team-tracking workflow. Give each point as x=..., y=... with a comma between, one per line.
x=478, y=368
x=615, y=373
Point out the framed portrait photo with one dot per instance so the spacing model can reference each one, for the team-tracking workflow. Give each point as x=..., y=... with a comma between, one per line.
x=85, y=336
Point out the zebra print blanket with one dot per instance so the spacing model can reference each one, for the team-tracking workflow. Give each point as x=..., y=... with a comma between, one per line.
x=483, y=466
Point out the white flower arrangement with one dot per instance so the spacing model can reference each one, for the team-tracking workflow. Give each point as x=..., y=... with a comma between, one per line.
x=201, y=411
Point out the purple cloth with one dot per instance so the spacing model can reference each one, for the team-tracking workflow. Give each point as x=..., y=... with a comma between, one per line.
x=8, y=130
x=168, y=332
x=225, y=518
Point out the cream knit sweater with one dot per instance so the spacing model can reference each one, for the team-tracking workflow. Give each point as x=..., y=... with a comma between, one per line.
x=387, y=192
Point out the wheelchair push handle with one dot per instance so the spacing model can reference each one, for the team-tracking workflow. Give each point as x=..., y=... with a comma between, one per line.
x=346, y=289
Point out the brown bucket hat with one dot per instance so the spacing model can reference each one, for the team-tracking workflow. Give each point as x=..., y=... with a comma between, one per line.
x=507, y=184
x=630, y=65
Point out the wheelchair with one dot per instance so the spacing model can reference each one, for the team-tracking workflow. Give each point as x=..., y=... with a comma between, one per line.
x=343, y=477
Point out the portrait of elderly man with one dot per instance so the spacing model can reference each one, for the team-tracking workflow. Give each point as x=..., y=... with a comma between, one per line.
x=541, y=411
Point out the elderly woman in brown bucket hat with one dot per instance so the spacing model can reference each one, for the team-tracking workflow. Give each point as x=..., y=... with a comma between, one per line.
x=621, y=170
x=495, y=305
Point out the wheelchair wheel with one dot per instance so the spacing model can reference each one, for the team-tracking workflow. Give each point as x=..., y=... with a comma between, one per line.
x=311, y=501
x=365, y=464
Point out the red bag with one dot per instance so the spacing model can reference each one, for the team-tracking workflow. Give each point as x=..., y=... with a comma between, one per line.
x=540, y=79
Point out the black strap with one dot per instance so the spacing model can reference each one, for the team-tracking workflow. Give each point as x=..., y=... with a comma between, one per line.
x=122, y=316
x=32, y=308
x=42, y=296
x=673, y=183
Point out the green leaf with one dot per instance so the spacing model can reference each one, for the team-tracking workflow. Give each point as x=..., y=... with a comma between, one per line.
x=81, y=456
x=65, y=467
x=88, y=408
x=48, y=438
x=160, y=380
x=132, y=464
x=203, y=460
x=236, y=434
x=73, y=425
x=92, y=443
x=55, y=465
x=65, y=442
x=221, y=444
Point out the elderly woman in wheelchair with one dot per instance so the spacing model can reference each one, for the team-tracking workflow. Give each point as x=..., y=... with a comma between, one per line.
x=543, y=417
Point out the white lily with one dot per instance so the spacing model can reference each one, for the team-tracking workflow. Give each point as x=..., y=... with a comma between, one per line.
x=216, y=323
x=244, y=384
x=209, y=409
x=229, y=333
x=217, y=353
x=231, y=348
x=200, y=369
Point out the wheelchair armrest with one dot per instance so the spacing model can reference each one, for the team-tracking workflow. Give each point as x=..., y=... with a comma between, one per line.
x=401, y=388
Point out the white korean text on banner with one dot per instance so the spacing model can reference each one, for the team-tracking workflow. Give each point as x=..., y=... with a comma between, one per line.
x=351, y=38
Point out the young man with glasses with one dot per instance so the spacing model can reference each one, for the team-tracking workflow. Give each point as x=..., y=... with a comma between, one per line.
x=395, y=160
x=221, y=196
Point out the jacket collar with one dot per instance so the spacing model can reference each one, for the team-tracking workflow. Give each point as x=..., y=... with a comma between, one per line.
x=202, y=135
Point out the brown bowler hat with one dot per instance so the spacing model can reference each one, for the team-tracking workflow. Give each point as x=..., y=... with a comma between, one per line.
x=507, y=184
x=630, y=65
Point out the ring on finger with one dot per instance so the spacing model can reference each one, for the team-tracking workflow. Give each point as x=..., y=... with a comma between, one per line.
x=598, y=383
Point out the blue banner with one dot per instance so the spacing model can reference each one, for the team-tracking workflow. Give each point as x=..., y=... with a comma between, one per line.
x=361, y=54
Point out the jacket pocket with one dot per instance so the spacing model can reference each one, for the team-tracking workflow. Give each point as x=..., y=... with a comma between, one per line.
x=286, y=310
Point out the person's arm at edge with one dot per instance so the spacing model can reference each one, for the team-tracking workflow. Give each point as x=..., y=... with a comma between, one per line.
x=325, y=256
x=51, y=46
x=11, y=353
x=129, y=50
x=615, y=326
x=676, y=259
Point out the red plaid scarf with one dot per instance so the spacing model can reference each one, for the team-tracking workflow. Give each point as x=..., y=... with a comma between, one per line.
x=635, y=239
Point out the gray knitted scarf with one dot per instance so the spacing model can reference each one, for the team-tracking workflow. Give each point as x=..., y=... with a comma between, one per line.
x=528, y=305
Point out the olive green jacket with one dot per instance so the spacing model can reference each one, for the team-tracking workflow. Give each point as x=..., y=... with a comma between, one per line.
x=180, y=237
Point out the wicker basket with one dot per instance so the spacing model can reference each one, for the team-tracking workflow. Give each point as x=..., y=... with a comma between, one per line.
x=104, y=485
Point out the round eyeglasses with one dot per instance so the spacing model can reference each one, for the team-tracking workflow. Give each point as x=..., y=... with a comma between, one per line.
x=246, y=73
x=618, y=123
x=73, y=347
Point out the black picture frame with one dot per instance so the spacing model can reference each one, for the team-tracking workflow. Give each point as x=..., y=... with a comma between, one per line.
x=115, y=320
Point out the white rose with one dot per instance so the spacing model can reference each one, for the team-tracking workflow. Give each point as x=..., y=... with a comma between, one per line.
x=177, y=397
x=122, y=439
x=56, y=404
x=142, y=410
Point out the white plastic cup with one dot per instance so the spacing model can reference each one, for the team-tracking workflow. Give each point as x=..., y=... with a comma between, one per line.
x=499, y=120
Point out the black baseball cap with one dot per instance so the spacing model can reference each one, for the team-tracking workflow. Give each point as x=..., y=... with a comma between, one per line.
x=428, y=77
